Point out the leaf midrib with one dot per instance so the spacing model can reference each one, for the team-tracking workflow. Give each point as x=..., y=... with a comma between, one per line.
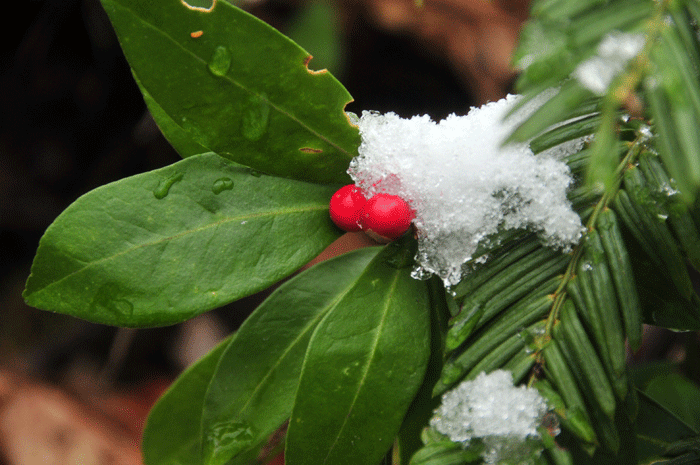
x=270, y=213
x=369, y=363
x=232, y=81
x=312, y=325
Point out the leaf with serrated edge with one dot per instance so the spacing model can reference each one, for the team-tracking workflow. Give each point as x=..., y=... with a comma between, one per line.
x=240, y=88
x=121, y=255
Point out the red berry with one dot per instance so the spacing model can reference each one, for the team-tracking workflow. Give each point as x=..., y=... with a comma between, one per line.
x=385, y=215
x=346, y=205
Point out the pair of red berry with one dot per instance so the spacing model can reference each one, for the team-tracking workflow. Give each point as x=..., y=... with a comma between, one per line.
x=384, y=215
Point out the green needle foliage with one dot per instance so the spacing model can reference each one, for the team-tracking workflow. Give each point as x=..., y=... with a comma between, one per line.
x=354, y=352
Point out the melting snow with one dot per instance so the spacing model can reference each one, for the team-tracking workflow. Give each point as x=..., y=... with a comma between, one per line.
x=463, y=184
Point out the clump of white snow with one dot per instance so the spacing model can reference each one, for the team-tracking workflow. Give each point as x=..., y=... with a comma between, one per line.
x=491, y=409
x=614, y=52
x=463, y=184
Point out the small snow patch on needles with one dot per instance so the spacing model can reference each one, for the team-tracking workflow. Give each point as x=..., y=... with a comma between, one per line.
x=492, y=409
x=463, y=184
x=614, y=52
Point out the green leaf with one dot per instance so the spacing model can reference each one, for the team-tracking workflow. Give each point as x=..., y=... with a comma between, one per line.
x=252, y=389
x=364, y=364
x=664, y=200
x=604, y=302
x=164, y=246
x=651, y=230
x=582, y=358
x=658, y=428
x=240, y=89
x=443, y=453
x=421, y=410
x=559, y=107
x=604, y=157
x=578, y=128
x=677, y=77
x=622, y=276
x=678, y=395
x=524, y=313
x=170, y=435
x=178, y=137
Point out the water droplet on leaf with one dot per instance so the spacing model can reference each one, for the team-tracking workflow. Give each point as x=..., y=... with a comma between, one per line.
x=255, y=117
x=163, y=188
x=225, y=440
x=255, y=173
x=222, y=184
x=220, y=61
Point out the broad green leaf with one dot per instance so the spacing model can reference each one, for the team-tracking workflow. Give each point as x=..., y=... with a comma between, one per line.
x=170, y=435
x=678, y=395
x=240, y=88
x=178, y=137
x=657, y=427
x=364, y=364
x=253, y=387
x=161, y=247
x=423, y=405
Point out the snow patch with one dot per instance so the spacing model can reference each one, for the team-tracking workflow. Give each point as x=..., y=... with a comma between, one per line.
x=464, y=184
x=491, y=409
x=614, y=52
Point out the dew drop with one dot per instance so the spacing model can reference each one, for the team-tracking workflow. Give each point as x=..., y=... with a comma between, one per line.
x=220, y=61
x=225, y=440
x=255, y=173
x=222, y=184
x=255, y=117
x=163, y=188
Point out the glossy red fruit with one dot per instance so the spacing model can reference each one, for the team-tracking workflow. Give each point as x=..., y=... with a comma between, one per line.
x=345, y=207
x=387, y=216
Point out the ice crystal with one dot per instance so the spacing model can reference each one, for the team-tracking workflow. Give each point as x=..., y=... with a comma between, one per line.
x=464, y=184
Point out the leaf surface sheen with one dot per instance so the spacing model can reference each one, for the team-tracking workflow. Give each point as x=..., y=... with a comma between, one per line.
x=240, y=88
x=364, y=364
x=161, y=247
x=169, y=435
x=255, y=381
